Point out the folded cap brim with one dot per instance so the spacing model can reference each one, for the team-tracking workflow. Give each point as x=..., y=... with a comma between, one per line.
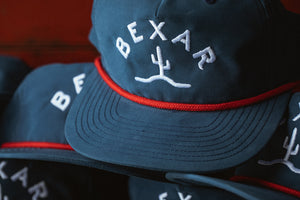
x=244, y=191
x=105, y=126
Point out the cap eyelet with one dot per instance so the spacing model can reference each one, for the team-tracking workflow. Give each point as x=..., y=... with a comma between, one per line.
x=210, y=1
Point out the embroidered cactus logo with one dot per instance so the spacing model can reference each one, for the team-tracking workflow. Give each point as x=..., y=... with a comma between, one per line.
x=292, y=149
x=162, y=68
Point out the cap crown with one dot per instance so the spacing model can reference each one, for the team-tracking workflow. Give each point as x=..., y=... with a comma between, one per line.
x=192, y=51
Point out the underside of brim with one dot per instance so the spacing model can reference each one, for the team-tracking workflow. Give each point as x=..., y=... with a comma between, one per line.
x=107, y=127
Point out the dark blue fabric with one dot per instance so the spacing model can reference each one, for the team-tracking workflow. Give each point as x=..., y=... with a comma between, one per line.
x=36, y=180
x=31, y=117
x=12, y=72
x=106, y=127
x=250, y=40
x=274, y=163
x=154, y=190
x=254, y=54
x=244, y=191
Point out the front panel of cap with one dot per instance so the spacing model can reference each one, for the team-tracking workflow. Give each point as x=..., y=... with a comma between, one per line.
x=232, y=35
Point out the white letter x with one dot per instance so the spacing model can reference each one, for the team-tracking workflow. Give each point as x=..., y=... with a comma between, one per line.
x=157, y=30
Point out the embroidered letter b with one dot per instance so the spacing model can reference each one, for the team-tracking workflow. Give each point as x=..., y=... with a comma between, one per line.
x=61, y=100
x=123, y=47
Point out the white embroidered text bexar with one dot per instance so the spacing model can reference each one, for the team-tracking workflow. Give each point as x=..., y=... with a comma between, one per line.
x=207, y=55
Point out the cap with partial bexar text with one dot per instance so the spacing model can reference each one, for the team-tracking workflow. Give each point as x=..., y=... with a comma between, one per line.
x=37, y=180
x=32, y=125
x=184, y=85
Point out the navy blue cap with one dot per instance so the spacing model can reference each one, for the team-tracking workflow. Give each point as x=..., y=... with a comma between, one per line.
x=183, y=85
x=40, y=180
x=32, y=125
x=12, y=72
x=277, y=166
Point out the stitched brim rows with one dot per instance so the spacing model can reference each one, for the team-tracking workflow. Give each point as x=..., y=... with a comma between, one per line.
x=105, y=126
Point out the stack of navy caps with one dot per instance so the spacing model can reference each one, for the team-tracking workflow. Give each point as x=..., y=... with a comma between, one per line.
x=32, y=131
x=186, y=86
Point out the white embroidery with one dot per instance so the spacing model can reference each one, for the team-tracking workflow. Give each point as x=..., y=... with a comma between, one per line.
x=132, y=32
x=39, y=191
x=185, y=39
x=78, y=82
x=123, y=47
x=188, y=197
x=163, y=196
x=291, y=150
x=157, y=30
x=2, y=173
x=61, y=100
x=204, y=57
x=21, y=176
x=161, y=75
x=4, y=197
x=298, y=116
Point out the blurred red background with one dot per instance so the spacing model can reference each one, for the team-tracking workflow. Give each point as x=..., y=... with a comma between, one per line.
x=48, y=31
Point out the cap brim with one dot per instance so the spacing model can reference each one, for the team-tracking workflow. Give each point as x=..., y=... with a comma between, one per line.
x=248, y=192
x=107, y=127
x=72, y=157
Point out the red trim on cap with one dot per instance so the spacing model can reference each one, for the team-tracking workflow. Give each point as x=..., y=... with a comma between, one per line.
x=191, y=107
x=43, y=145
x=261, y=182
